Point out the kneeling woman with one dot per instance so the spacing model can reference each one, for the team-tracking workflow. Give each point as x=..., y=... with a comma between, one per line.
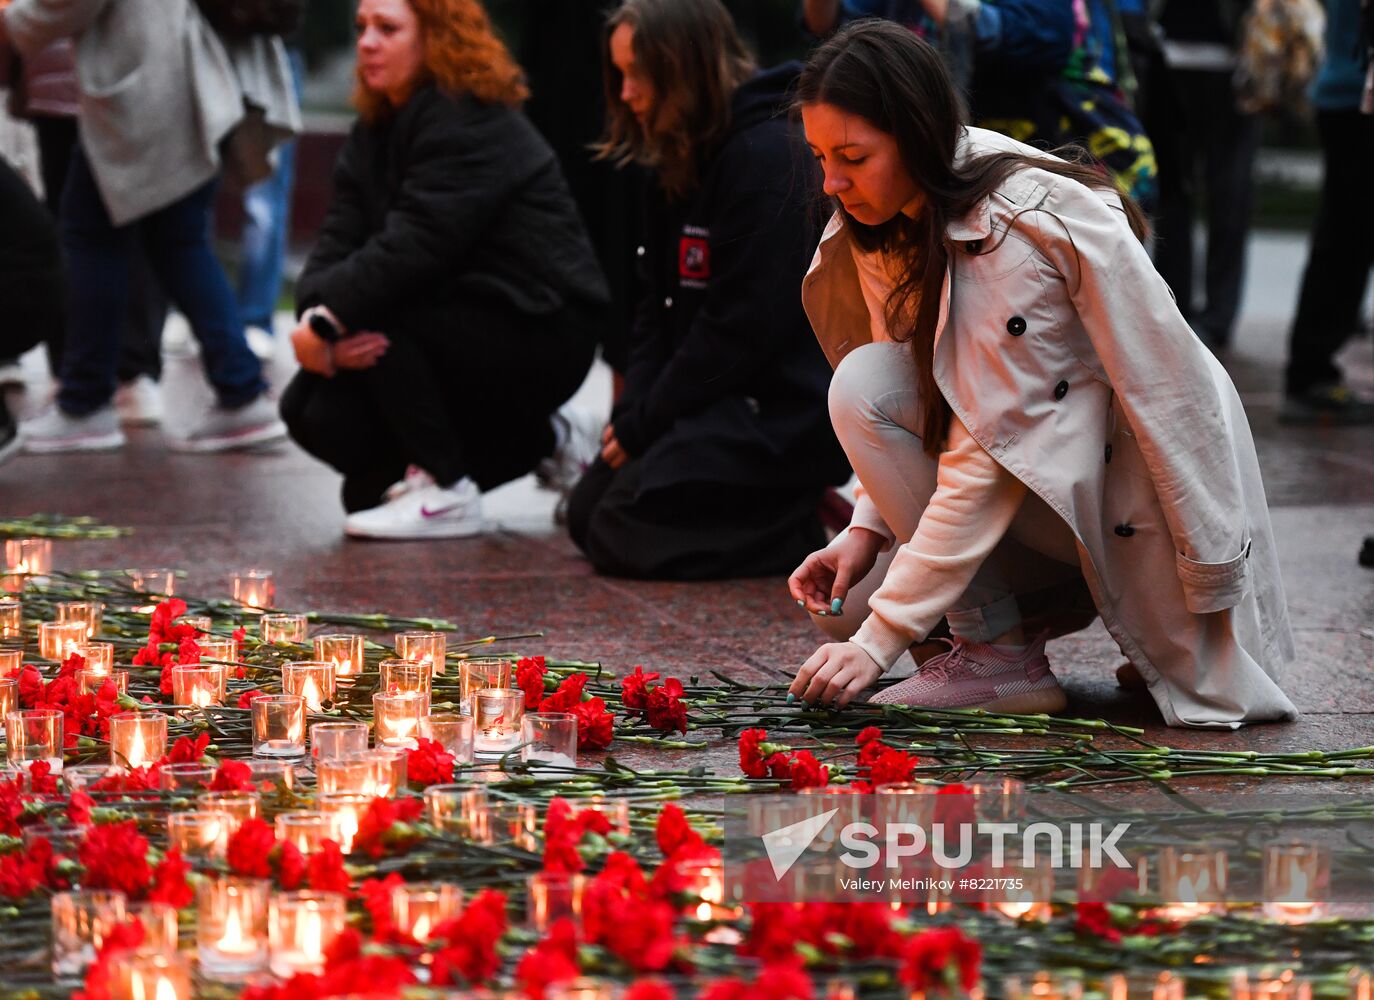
x=451, y=302
x=720, y=449
x=1033, y=423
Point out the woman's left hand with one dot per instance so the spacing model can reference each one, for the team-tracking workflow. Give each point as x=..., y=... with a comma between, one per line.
x=837, y=672
x=611, y=451
x=312, y=351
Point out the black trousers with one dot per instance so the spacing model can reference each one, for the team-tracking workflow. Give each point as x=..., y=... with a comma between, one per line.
x=1341, y=253
x=693, y=531
x=468, y=393
x=32, y=287
x=1212, y=141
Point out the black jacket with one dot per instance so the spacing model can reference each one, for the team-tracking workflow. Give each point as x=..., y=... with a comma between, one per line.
x=726, y=382
x=447, y=199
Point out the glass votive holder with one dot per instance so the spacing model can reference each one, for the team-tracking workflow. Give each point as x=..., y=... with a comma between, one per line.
x=313, y=680
x=345, y=810
x=279, y=725
x=389, y=766
x=703, y=882
x=552, y=896
x=231, y=925
x=198, y=834
x=549, y=738
x=271, y=774
x=615, y=809
x=452, y=732
x=157, y=582
x=459, y=809
x=159, y=922
x=1144, y=986
x=344, y=651
x=337, y=739
x=139, y=975
x=201, y=623
x=254, y=588
x=418, y=907
x=238, y=807
x=9, y=695
x=137, y=739
x=404, y=677
x=1042, y=986
x=99, y=656
x=1269, y=983
x=184, y=777
x=58, y=640
x=1024, y=887
x=483, y=672
x=216, y=650
x=11, y=660
x=11, y=618
x=28, y=556
x=80, y=777
x=514, y=823
x=1297, y=881
x=198, y=686
x=87, y=613
x=497, y=714
x=584, y=988
x=354, y=773
x=284, y=628
x=81, y=920
x=1192, y=882
x=300, y=928
x=397, y=717
x=428, y=648
x=307, y=830
x=34, y=734
x=92, y=682
x=65, y=840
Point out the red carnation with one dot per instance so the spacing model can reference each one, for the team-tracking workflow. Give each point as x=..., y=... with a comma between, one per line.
x=529, y=677
x=385, y=825
x=325, y=869
x=169, y=882
x=666, y=709
x=115, y=856
x=552, y=960
x=595, y=725
x=807, y=771
x=940, y=958
x=250, y=847
x=429, y=764
x=568, y=696
x=634, y=689
x=233, y=776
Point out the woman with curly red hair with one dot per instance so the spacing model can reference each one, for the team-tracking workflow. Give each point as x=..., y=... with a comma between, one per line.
x=451, y=303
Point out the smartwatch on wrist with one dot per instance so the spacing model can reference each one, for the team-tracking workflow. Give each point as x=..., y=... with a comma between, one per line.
x=323, y=326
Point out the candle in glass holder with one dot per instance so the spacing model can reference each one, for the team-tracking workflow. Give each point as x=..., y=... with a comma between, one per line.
x=93, y=681
x=337, y=739
x=238, y=806
x=1297, y=881
x=404, y=677
x=99, y=656
x=514, y=823
x=58, y=640
x=1269, y=983
x=200, y=833
x=583, y=988
x=615, y=809
x=9, y=695
x=1144, y=986
x=34, y=734
x=483, y=672
x=10, y=660
x=11, y=618
x=497, y=714
x=284, y=628
x=549, y=738
x=80, y=777
x=452, y=732
x=1024, y=889
x=397, y=717
x=458, y=808
x=279, y=725
x=184, y=777
x=231, y=925
x=418, y=907
x=198, y=686
x=344, y=651
x=217, y=650
x=704, y=883
x=1360, y=984
x=271, y=775
x=1192, y=882
x=354, y=773
x=81, y=920
x=390, y=769
x=254, y=588
x=313, y=680
x=157, y=582
x=150, y=976
x=552, y=896
x=428, y=648
x=137, y=739
x=344, y=810
x=307, y=830
x=159, y=922
x=1042, y=986
x=87, y=613
x=300, y=928
x=27, y=557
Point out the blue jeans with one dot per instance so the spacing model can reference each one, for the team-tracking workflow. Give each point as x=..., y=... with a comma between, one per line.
x=266, y=224
x=176, y=241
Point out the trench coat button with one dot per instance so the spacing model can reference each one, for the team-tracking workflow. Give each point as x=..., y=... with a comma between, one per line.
x=1061, y=390
x=639, y=251
x=1107, y=453
x=973, y=246
x=668, y=302
x=1124, y=530
x=1016, y=326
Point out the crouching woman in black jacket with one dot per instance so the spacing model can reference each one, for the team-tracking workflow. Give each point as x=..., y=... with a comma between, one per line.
x=451, y=303
x=720, y=449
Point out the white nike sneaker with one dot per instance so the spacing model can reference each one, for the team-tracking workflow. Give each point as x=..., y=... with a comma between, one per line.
x=423, y=512
x=53, y=432
x=139, y=402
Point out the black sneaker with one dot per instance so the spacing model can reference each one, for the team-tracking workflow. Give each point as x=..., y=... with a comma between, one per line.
x=1326, y=405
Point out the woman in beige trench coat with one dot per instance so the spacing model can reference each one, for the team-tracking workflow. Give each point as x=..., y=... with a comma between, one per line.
x=1037, y=433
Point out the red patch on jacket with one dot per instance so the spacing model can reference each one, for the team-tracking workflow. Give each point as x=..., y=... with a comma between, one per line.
x=694, y=259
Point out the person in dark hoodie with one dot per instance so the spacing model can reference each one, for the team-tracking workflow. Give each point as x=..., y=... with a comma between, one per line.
x=452, y=301
x=720, y=450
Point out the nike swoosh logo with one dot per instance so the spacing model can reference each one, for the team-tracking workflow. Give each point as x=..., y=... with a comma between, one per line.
x=426, y=512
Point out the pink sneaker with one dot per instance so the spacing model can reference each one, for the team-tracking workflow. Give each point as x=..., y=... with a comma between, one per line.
x=975, y=675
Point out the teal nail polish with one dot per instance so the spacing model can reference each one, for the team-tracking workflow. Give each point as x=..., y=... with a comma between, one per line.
x=823, y=614
x=801, y=604
x=791, y=697
x=836, y=605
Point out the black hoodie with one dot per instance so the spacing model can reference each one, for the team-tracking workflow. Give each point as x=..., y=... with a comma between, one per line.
x=726, y=382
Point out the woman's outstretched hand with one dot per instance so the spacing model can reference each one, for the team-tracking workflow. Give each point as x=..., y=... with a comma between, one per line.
x=836, y=673
x=825, y=576
x=313, y=352
x=360, y=350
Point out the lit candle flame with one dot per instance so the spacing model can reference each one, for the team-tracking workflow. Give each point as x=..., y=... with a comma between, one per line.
x=420, y=932
x=137, y=754
x=233, y=940
x=310, y=691
x=310, y=934
x=295, y=732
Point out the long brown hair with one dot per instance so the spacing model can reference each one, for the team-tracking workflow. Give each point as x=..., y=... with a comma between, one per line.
x=888, y=76
x=695, y=60
x=463, y=54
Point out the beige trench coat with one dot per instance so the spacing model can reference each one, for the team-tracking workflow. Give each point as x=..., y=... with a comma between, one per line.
x=1061, y=349
x=164, y=104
